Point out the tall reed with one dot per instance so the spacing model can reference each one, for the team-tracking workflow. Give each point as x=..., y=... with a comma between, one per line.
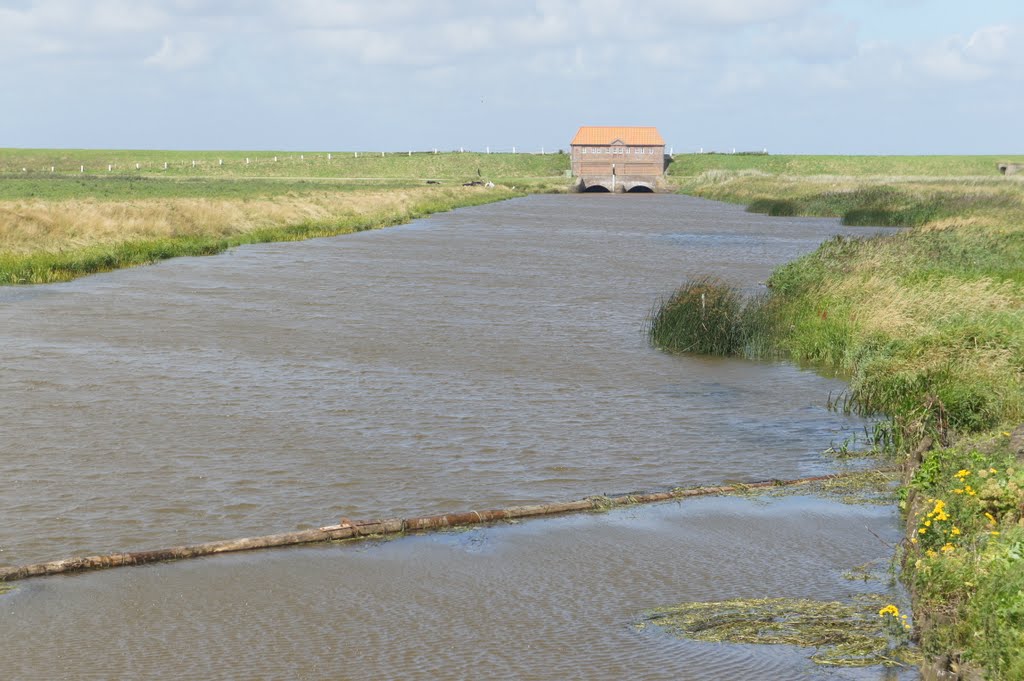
x=709, y=316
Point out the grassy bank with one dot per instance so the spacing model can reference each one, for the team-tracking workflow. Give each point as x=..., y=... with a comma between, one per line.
x=56, y=240
x=135, y=207
x=928, y=324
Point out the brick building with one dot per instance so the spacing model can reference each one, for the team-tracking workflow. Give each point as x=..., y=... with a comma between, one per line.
x=617, y=158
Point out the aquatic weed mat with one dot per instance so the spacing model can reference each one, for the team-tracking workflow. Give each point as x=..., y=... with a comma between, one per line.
x=843, y=634
x=872, y=486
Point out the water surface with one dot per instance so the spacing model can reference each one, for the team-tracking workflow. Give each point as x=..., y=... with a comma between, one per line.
x=482, y=358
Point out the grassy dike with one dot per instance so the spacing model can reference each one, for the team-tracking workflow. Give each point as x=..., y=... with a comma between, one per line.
x=136, y=207
x=928, y=325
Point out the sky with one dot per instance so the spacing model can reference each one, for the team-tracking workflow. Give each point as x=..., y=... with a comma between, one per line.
x=789, y=76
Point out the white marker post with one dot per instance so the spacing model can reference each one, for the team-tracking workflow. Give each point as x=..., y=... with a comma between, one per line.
x=220, y=161
x=137, y=166
x=165, y=165
x=329, y=156
x=83, y=169
x=110, y=167
x=513, y=150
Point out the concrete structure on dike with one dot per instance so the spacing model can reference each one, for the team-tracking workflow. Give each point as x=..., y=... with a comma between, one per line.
x=618, y=159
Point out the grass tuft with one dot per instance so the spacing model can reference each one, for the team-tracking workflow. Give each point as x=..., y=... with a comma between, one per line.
x=708, y=316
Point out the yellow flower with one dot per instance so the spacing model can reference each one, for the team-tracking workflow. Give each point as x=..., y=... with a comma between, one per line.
x=958, y=491
x=994, y=533
x=962, y=473
x=913, y=540
x=906, y=626
x=955, y=531
x=930, y=553
x=969, y=490
x=889, y=610
x=947, y=547
x=992, y=470
x=1005, y=434
x=991, y=519
x=922, y=530
x=927, y=523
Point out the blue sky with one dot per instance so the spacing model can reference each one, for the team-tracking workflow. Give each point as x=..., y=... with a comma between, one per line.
x=792, y=76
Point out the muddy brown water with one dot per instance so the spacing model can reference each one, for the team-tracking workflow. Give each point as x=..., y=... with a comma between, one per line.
x=482, y=358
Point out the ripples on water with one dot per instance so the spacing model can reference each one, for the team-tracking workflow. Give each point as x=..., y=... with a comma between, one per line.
x=477, y=359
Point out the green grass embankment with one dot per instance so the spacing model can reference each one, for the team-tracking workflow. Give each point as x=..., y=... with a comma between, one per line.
x=928, y=324
x=133, y=207
x=50, y=241
x=450, y=166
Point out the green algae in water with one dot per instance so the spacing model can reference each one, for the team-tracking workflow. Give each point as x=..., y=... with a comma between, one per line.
x=863, y=487
x=845, y=635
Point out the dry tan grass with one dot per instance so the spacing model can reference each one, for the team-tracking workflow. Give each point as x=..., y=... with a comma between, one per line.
x=28, y=226
x=886, y=305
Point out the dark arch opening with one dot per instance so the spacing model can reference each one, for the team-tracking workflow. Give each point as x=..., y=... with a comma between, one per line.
x=596, y=189
x=641, y=189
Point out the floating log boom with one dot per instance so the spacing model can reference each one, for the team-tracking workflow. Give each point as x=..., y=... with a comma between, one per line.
x=357, y=529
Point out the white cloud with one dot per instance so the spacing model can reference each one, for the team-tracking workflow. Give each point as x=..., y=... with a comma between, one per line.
x=996, y=45
x=119, y=16
x=992, y=52
x=812, y=39
x=179, y=52
x=739, y=12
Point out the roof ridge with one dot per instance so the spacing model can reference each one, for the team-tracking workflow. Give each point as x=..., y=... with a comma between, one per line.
x=645, y=135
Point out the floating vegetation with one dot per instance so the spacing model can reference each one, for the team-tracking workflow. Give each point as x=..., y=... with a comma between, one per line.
x=866, y=487
x=874, y=486
x=866, y=573
x=845, y=635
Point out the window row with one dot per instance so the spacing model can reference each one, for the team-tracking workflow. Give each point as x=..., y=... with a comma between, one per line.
x=618, y=150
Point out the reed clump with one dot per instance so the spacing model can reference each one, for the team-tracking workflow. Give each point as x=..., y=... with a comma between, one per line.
x=709, y=316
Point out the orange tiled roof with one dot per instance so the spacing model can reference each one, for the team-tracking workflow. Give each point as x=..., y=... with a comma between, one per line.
x=596, y=134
